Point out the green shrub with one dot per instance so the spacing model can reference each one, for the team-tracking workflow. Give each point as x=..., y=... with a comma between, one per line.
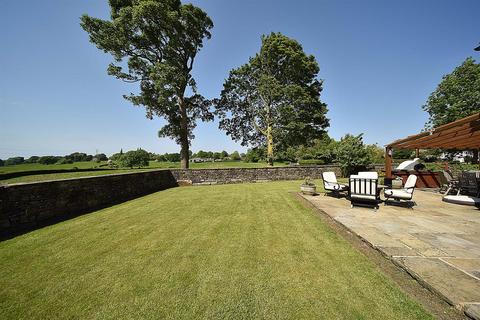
x=376, y=153
x=64, y=160
x=352, y=155
x=324, y=148
x=235, y=156
x=307, y=162
x=48, y=159
x=116, y=156
x=153, y=156
x=101, y=157
x=79, y=156
x=135, y=158
x=32, y=159
x=172, y=157
x=14, y=161
x=2, y=163
x=453, y=166
x=255, y=155
x=160, y=158
x=403, y=153
x=430, y=155
x=290, y=154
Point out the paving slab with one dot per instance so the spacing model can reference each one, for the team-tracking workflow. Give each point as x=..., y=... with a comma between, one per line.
x=399, y=251
x=449, y=281
x=470, y=266
x=473, y=311
x=436, y=242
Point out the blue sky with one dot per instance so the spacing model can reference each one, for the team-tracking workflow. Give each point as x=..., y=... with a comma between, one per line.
x=379, y=60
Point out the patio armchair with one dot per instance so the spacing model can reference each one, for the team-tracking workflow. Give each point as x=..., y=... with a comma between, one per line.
x=451, y=182
x=406, y=193
x=331, y=185
x=468, y=183
x=468, y=190
x=363, y=189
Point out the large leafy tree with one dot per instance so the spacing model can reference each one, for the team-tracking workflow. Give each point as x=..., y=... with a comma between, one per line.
x=274, y=99
x=457, y=96
x=154, y=43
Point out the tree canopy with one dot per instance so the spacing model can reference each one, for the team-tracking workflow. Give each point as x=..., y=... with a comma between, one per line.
x=457, y=96
x=134, y=158
x=274, y=99
x=352, y=155
x=159, y=40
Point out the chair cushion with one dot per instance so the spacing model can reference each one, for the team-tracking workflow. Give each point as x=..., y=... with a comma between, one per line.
x=397, y=193
x=411, y=181
x=363, y=197
x=465, y=200
x=329, y=176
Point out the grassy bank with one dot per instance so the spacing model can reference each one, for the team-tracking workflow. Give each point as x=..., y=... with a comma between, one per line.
x=248, y=251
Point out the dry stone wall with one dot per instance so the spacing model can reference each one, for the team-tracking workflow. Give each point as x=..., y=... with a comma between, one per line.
x=30, y=205
x=239, y=175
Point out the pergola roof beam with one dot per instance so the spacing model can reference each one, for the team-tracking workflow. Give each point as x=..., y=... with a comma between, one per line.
x=463, y=126
x=438, y=141
x=463, y=134
x=455, y=131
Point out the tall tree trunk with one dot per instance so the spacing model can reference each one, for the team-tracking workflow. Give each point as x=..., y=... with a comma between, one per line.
x=269, y=145
x=184, y=147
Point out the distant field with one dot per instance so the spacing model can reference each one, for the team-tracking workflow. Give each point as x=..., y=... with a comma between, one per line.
x=98, y=169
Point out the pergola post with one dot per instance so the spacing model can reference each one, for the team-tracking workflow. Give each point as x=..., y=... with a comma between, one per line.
x=417, y=153
x=388, y=163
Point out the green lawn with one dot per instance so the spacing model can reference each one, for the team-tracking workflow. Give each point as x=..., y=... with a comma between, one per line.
x=97, y=170
x=246, y=251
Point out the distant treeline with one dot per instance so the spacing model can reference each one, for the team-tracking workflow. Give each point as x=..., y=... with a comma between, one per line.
x=71, y=158
x=117, y=157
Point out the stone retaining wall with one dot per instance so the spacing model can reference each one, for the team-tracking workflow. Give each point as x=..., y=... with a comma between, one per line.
x=28, y=206
x=239, y=175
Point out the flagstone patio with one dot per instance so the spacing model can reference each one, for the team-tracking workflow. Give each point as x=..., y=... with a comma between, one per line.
x=436, y=242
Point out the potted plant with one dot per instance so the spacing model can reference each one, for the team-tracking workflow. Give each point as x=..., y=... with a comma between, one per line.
x=308, y=187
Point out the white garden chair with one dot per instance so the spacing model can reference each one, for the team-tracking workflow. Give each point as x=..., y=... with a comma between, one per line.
x=331, y=185
x=363, y=189
x=405, y=194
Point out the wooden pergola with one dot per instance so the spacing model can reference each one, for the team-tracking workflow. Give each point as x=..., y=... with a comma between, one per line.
x=463, y=134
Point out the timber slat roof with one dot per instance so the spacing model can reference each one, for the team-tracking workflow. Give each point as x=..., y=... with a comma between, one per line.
x=461, y=134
